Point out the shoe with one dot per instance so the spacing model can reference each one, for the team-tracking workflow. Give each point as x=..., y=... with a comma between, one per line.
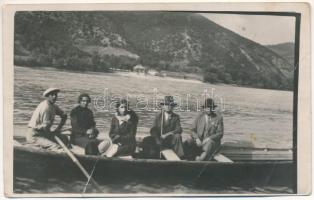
x=198, y=158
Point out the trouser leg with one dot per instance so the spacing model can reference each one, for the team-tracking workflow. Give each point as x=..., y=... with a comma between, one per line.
x=125, y=150
x=190, y=149
x=43, y=139
x=30, y=135
x=81, y=141
x=151, y=149
x=208, y=150
x=46, y=143
x=63, y=138
x=177, y=145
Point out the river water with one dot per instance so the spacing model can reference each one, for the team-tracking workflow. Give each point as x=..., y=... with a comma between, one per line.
x=252, y=117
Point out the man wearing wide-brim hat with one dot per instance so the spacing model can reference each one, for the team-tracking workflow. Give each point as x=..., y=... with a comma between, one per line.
x=42, y=121
x=207, y=132
x=167, y=129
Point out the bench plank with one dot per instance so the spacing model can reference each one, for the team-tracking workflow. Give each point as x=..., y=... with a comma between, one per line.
x=221, y=158
x=169, y=154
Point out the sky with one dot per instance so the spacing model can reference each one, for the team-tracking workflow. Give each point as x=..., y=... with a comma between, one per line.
x=263, y=29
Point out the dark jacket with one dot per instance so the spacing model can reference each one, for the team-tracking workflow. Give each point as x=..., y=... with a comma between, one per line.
x=172, y=124
x=213, y=129
x=82, y=119
x=127, y=133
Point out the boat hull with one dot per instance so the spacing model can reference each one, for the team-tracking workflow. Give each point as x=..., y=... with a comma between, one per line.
x=34, y=164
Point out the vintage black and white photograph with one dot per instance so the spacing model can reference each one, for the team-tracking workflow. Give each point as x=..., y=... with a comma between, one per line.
x=155, y=102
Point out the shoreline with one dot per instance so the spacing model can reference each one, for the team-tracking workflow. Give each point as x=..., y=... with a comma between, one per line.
x=148, y=76
x=145, y=77
x=130, y=74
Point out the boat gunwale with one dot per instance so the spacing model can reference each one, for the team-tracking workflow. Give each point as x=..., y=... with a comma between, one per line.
x=225, y=146
x=139, y=160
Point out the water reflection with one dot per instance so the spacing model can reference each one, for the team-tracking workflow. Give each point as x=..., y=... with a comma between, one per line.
x=152, y=186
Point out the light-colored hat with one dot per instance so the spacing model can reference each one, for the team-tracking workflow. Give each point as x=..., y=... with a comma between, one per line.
x=50, y=90
x=107, y=148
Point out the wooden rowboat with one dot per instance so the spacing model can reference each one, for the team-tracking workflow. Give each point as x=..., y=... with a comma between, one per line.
x=257, y=167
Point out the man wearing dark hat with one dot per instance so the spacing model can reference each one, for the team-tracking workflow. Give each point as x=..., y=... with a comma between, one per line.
x=42, y=120
x=82, y=121
x=207, y=131
x=167, y=129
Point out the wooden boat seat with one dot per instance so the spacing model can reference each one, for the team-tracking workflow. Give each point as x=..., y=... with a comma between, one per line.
x=126, y=157
x=221, y=158
x=169, y=154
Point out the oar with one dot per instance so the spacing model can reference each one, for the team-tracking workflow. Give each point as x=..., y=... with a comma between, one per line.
x=74, y=159
x=161, y=125
x=66, y=129
x=162, y=121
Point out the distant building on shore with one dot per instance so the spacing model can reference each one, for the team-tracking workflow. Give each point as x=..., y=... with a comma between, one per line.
x=139, y=69
x=163, y=74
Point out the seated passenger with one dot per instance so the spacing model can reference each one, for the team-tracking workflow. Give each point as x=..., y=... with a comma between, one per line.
x=123, y=129
x=83, y=124
x=40, y=132
x=207, y=131
x=165, y=133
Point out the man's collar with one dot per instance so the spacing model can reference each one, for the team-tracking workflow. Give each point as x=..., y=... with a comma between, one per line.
x=49, y=102
x=168, y=113
x=213, y=114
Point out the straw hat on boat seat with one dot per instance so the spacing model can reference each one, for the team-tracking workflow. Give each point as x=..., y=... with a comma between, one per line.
x=107, y=148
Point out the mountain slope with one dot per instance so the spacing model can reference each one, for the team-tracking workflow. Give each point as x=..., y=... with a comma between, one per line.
x=285, y=50
x=173, y=41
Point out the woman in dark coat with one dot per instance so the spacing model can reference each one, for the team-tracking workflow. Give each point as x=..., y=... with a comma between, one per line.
x=123, y=128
